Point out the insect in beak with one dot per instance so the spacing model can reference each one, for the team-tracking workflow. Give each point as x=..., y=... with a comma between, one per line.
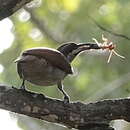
x=106, y=45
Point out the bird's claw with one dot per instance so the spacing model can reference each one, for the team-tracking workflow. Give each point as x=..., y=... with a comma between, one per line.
x=13, y=87
x=66, y=99
x=22, y=87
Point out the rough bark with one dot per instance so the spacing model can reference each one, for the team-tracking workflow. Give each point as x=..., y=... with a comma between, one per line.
x=8, y=7
x=91, y=116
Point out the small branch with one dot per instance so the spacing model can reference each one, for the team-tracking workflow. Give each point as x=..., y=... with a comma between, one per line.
x=8, y=7
x=92, y=116
x=109, y=31
x=42, y=27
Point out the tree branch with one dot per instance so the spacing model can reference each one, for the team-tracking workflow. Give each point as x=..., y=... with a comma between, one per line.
x=8, y=7
x=92, y=116
x=109, y=31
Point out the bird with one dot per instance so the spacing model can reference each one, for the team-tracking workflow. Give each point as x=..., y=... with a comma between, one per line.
x=47, y=66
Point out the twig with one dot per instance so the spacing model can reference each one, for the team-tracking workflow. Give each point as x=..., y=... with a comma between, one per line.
x=109, y=31
x=73, y=115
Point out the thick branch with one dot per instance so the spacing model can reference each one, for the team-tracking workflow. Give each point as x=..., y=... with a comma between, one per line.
x=8, y=7
x=92, y=116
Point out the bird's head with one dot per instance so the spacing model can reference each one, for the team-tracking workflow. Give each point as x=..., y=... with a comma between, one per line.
x=70, y=50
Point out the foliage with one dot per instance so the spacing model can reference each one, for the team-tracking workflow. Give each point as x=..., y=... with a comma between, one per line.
x=68, y=20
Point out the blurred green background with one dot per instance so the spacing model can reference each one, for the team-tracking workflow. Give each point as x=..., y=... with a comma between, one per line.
x=52, y=22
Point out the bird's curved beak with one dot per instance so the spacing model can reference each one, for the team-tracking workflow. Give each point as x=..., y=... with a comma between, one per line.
x=88, y=45
x=85, y=46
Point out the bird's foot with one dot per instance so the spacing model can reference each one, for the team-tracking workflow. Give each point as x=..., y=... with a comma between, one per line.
x=13, y=87
x=22, y=87
x=66, y=99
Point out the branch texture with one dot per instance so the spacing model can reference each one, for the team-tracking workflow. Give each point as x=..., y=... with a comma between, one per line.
x=92, y=116
x=8, y=7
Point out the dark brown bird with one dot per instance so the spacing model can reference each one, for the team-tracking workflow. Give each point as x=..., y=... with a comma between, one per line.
x=45, y=66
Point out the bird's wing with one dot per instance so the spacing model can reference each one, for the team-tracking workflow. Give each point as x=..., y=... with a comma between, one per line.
x=53, y=56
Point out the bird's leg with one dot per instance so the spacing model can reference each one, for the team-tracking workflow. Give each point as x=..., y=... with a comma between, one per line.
x=23, y=85
x=60, y=87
